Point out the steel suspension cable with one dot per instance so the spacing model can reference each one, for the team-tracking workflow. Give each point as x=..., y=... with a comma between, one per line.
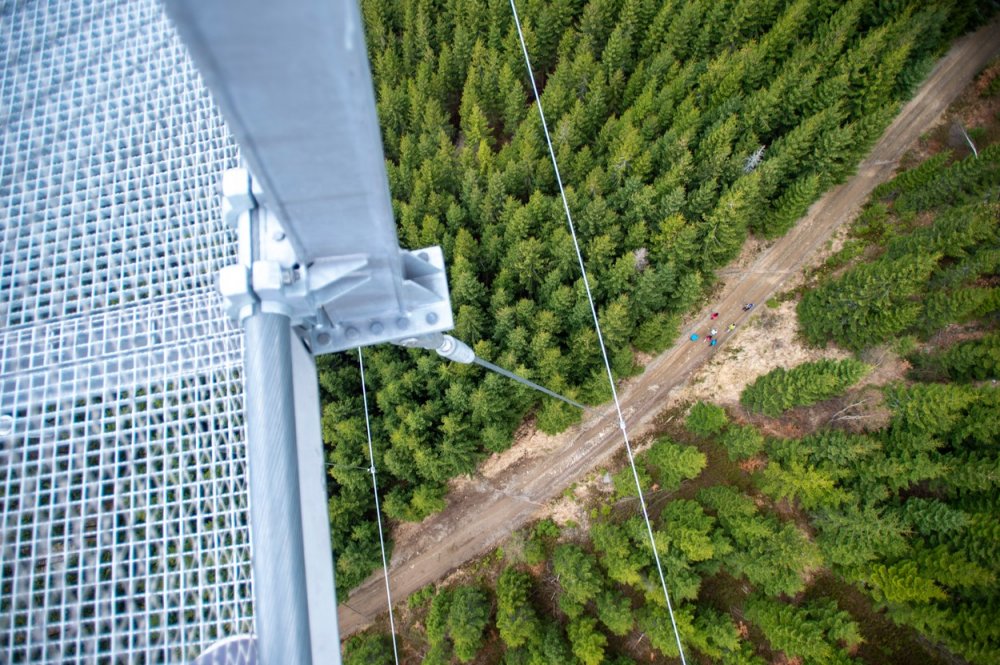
x=597, y=327
x=378, y=509
x=531, y=384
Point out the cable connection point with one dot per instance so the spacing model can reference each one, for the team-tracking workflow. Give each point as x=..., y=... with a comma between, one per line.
x=446, y=346
x=456, y=350
x=450, y=348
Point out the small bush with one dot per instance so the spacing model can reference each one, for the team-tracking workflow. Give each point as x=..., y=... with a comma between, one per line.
x=368, y=649
x=671, y=463
x=742, y=442
x=536, y=550
x=546, y=528
x=624, y=481
x=706, y=419
x=421, y=596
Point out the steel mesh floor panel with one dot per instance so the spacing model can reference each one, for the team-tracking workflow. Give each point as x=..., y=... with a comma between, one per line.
x=123, y=484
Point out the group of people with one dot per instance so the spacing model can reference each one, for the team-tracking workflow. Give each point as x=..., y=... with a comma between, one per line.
x=713, y=335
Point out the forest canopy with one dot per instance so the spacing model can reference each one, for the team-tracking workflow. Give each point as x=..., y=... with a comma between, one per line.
x=834, y=541
x=680, y=128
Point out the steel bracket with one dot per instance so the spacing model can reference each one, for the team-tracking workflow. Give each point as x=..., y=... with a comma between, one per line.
x=334, y=302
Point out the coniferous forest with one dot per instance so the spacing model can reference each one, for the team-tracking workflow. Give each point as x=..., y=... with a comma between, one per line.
x=680, y=128
x=872, y=538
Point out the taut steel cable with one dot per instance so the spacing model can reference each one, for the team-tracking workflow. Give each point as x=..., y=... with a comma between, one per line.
x=597, y=328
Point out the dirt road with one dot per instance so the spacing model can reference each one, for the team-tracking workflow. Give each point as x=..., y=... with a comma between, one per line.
x=485, y=510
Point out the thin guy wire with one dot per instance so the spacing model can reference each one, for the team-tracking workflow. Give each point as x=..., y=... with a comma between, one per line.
x=378, y=510
x=531, y=384
x=597, y=327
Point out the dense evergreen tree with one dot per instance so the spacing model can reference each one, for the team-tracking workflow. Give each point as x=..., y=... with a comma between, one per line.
x=908, y=527
x=926, y=277
x=813, y=632
x=579, y=577
x=655, y=623
x=868, y=305
x=742, y=442
x=619, y=556
x=930, y=409
x=706, y=419
x=811, y=487
x=905, y=512
x=455, y=623
x=852, y=537
x=802, y=385
x=671, y=463
x=615, y=612
x=517, y=620
x=771, y=555
x=588, y=642
x=368, y=649
x=470, y=611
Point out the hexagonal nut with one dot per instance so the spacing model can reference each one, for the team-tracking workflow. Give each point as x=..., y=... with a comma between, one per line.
x=234, y=286
x=267, y=279
x=231, y=214
x=236, y=190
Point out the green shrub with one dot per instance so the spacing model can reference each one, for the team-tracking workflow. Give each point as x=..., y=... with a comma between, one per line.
x=672, y=463
x=421, y=596
x=624, y=480
x=536, y=550
x=368, y=649
x=742, y=441
x=706, y=419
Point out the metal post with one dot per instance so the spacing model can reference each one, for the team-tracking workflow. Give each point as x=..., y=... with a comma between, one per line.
x=281, y=601
x=324, y=634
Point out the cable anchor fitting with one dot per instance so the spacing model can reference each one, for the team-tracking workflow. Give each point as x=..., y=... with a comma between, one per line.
x=334, y=302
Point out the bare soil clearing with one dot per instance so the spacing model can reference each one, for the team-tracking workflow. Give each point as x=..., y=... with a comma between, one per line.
x=766, y=341
x=514, y=488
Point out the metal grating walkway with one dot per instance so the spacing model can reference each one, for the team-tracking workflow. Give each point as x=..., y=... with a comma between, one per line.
x=123, y=495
